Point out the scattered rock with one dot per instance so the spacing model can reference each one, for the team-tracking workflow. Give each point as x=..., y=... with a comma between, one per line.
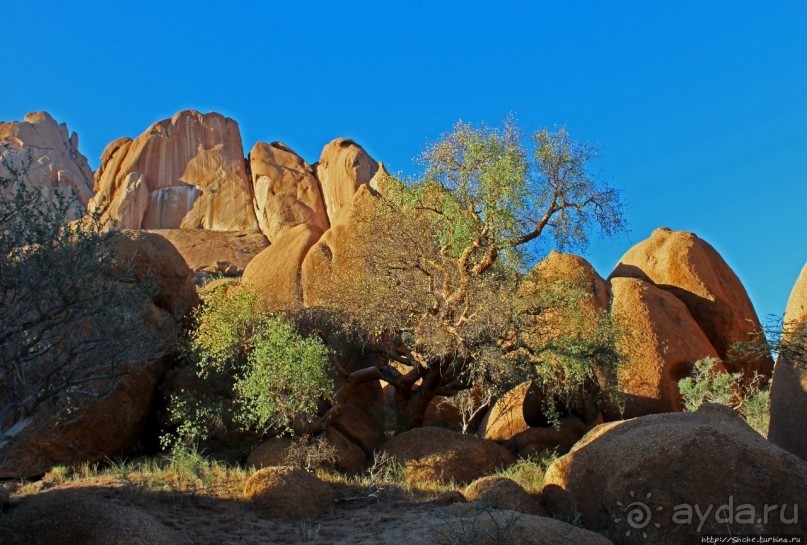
x=288, y=493
x=503, y=493
x=81, y=517
x=661, y=344
x=438, y=454
x=709, y=458
x=692, y=270
x=56, y=164
x=287, y=192
x=788, y=427
x=185, y=172
x=343, y=167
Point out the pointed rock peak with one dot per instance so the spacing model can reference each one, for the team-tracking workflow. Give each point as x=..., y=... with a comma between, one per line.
x=37, y=118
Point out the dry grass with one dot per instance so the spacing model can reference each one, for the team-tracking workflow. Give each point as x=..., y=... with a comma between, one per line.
x=529, y=472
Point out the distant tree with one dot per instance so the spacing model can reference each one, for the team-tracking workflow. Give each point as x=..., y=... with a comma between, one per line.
x=443, y=258
x=72, y=319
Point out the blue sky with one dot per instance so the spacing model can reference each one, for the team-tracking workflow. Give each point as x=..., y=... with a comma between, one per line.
x=699, y=109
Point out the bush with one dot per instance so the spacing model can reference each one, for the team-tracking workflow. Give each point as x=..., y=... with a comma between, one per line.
x=275, y=375
x=74, y=319
x=707, y=384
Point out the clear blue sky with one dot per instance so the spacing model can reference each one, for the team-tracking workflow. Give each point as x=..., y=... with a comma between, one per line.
x=698, y=108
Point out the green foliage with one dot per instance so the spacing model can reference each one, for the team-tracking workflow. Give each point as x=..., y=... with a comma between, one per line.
x=708, y=383
x=571, y=344
x=274, y=375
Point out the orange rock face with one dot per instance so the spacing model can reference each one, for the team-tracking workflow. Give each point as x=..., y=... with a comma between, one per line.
x=575, y=269
x=55, y=161
x=185, y=172
x=788, y=427
x=689, y=268
x=334, y=256
x=707, y=458
x=287, y=192
x=275, y=272
x=343, y=167
x=218, y=251
x=662, y=342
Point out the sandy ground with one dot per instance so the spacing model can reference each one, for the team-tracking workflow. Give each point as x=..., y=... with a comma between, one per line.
x=219, y=521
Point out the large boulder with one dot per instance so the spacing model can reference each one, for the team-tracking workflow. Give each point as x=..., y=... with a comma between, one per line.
x=215, y=252
x=438, y=454
x=287, y=493
x=493, y=527
x=536, y=442
x=56, y=164
x=572, y=269
x=335, y=258
x=110, y=422
x=503, y=493
x=287, y=192
x=788, y=427
x=649, y=475
x=692, y=270
x=516, y=411
x=343, y=167
x=184, y=172
x=276, y=272
x=150, y=257
x=82, y=517
x=661, y=343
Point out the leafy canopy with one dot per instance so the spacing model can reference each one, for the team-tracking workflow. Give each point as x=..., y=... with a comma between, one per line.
x=275, y=375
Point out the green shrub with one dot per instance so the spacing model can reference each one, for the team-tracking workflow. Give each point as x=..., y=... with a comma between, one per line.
x=709, y=384
x=275, y=375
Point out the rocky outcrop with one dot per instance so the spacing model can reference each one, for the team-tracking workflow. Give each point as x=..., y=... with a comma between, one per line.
x=335, y=258
x=276, y=272
x=788, y=427
x=437, y=454
x=661, y=343
x=287, y=493
x=649, y=473
x=215, y=252
x=287, y=192
x=56, y=164
x=185, y=172
x=343, y=167
x=692, y=270
x=82, y=516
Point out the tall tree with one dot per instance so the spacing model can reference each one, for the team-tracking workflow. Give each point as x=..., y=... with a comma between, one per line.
x=442, y=256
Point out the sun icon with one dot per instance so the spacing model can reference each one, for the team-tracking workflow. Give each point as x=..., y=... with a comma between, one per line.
x=637, y=514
